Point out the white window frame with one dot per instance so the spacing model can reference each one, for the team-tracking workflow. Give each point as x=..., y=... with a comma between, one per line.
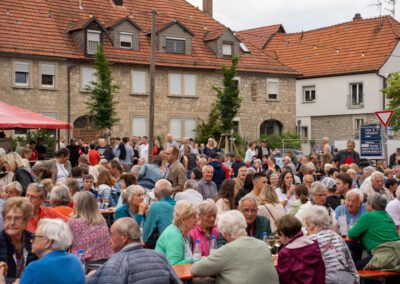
x=224, y=49
x=146, y=131
x=27, y=67
x=183, y=132
x=359, y=98
x=272, y=81
x=138, y=73
x=309, y=89
x=92, y=32
x=175, y=39
x=54, y=74
x=130, y=35
x=183, y=88
x=357, y=125
x=87, y=87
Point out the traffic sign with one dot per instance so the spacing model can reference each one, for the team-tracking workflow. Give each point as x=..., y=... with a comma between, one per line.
x=371, y=141
x=384, y=116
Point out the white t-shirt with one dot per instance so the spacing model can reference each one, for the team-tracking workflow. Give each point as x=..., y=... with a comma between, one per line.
x=282, y=196
x=62, y=173
x=393, y=209
x=249, y=155
x=144, y=152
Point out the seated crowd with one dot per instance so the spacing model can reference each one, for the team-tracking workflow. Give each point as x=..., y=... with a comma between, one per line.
x=117, y=217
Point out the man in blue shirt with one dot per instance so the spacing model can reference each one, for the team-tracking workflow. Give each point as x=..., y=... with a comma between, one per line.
x=348, y=213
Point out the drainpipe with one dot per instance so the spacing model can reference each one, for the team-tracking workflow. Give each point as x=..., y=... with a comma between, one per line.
x=384, y=79
x=69, y=99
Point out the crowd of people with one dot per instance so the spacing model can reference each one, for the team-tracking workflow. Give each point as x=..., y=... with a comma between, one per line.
x=103, y=213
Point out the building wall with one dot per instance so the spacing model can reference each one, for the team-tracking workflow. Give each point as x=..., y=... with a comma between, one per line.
x=339, y=126
x=175, y=31
x=254, y=110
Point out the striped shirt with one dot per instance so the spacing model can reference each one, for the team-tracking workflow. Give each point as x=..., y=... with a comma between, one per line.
x=337, y=258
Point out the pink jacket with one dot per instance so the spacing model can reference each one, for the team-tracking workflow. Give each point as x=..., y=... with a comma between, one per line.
x=197, y=233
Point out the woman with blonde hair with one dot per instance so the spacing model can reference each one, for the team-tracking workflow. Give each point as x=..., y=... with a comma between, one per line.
x=89, y=228
x=106, y=190
x=270, y=206
x=14, y=163
x=174, y=241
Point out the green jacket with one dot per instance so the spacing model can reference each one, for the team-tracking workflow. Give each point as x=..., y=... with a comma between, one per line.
x=385, y=257
x=158, y=218
x=374, y=228
x=261, y=225
x=244, y=260
x=172, y=245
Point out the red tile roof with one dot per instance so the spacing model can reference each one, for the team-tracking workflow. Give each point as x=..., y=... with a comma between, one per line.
x=260, y=36
x=40, y=27
x=358, y=46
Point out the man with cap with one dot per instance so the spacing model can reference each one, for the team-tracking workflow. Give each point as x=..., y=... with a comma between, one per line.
x=332, y=199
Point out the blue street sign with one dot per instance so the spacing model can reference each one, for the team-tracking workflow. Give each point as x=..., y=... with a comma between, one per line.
x=371, y=141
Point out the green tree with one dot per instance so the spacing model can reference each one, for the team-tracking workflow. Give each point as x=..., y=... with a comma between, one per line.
x=101, y=103
x=210, y=128
x=228, y=100
x=392, y=93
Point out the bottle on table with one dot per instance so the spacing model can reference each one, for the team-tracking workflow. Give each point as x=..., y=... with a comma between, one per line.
x=81, y=256
x=213, y=244
x=197, y=251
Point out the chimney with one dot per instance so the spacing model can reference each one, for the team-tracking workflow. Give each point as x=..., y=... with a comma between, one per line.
x=208, y=7
x=118, y=2
x=357, y=17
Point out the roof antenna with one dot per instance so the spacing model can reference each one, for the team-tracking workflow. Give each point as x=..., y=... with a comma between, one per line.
x=378, y=4
x=392, y=10
x=80, y=5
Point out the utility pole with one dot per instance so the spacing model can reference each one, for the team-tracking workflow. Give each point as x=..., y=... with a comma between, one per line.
x=152, y=82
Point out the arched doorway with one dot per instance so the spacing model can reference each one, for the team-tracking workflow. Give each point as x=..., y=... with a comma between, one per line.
x=83, y=129
x=271, y=126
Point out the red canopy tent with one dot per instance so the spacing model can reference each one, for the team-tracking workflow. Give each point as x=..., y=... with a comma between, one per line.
x=15, y=117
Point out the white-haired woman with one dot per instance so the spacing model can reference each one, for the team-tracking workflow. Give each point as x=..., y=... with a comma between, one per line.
x=60, y=198
x=205, y=229
x=174, y=242
x=53, y=237
x=135, y=206
x=243, y=260
x=89, y=228
x=339, y=265
x=13, y=189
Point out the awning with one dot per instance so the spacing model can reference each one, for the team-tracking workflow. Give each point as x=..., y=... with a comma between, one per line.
x=15, y=117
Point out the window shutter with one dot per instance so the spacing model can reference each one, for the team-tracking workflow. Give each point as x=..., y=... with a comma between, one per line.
x=138, y=82
x=139, y=126
x=88, y=75
x=48, y=69
x=21, y=67
x=175, y=84
x=190, y=126
x=190, y=85
x=175, y=127
x=93, y=36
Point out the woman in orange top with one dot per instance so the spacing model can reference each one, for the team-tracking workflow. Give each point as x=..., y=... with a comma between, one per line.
x=60, y=198
x=36, y=194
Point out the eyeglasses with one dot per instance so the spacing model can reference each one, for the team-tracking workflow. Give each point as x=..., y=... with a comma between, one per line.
x=17, y=220
x=249, y=211
x=34, y=237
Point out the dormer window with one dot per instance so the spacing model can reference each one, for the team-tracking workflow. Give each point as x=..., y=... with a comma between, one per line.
x=93, y=40
x=175, y=45
x=125, y=40
x=227, y=49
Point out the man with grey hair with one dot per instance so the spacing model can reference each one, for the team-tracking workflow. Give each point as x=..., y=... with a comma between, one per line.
x=206, y=187
x=242, y=260
x=393, y=208
x=378, y=234
x=287, y=162
x=189, y=193
x=377, y=186
x=348, y=213
x=131, y=262
x=348, y=155
x=366, y=174
x=160, y=214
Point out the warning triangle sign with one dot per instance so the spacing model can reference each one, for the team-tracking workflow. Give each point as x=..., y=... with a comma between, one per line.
x=384, y=116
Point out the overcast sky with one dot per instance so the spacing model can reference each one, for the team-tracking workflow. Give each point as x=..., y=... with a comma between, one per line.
x=295, y=15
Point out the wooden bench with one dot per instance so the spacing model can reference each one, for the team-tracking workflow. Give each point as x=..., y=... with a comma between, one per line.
x=376, y=274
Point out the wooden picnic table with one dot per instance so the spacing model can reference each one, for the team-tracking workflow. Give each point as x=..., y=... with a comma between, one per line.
x=184, y=271
x=110, y=210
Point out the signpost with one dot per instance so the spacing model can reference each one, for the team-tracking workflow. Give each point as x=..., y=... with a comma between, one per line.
x=384, y=117
x=371, y=141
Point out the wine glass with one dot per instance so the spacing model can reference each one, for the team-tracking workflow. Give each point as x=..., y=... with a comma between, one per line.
x=106, y=202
